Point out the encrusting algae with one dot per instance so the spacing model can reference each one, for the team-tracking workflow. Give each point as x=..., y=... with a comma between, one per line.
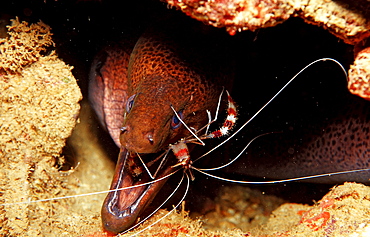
x=39, y=106
x=24, y=45
x=344, y=211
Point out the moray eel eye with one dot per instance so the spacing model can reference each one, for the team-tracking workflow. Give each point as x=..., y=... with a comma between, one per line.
x=175, y=122
x=130, y=103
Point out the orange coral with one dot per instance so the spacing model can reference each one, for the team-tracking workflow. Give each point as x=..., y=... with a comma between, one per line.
x=359, y=75
x=315, y=223
x=347, y=21
x=38, y=110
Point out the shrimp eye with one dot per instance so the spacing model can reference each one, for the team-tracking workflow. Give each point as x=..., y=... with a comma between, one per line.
x=175, y=122
x=130, y=103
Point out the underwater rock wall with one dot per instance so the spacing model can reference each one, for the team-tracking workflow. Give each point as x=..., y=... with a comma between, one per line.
x=39, y=107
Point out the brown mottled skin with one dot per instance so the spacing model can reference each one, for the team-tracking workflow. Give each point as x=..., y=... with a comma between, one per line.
x=169, y=65
x=335, y=142
x=171, y=77
x=107, y=76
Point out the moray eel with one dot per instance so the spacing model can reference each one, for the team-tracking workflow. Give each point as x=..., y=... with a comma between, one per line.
x=334, y=137
x=132, y=91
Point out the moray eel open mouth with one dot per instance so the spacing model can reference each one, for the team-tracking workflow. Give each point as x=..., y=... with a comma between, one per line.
x=136, y=91
x=121, y=208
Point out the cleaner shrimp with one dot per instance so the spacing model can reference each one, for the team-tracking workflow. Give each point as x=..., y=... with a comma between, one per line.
x=186, y=163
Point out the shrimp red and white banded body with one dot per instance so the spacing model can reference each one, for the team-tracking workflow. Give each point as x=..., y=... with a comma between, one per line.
x=181, y=150
x=185, y=160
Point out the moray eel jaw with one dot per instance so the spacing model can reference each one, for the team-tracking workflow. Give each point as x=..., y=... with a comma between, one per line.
x=121, y=208
x=116, y=214
x=148, y=127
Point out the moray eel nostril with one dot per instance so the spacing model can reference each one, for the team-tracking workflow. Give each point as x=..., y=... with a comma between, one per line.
x=150, y=138
x=124, y=129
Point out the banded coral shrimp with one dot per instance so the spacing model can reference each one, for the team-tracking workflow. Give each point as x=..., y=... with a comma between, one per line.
x=186, y=166
x=191, y=166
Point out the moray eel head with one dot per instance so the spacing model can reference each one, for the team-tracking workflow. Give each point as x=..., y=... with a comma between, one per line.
x=148, y=131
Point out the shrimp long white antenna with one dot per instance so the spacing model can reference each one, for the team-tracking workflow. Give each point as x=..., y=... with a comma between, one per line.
x=206, y=127
x=89, y=194
x=209, y=118
x=173, y=209
x=282, y=180
x=216, y=113
x=268, y=102
x=218, y=106
x=146, y=167
x=232, y=161
x=164, y=155
x=186, y=126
